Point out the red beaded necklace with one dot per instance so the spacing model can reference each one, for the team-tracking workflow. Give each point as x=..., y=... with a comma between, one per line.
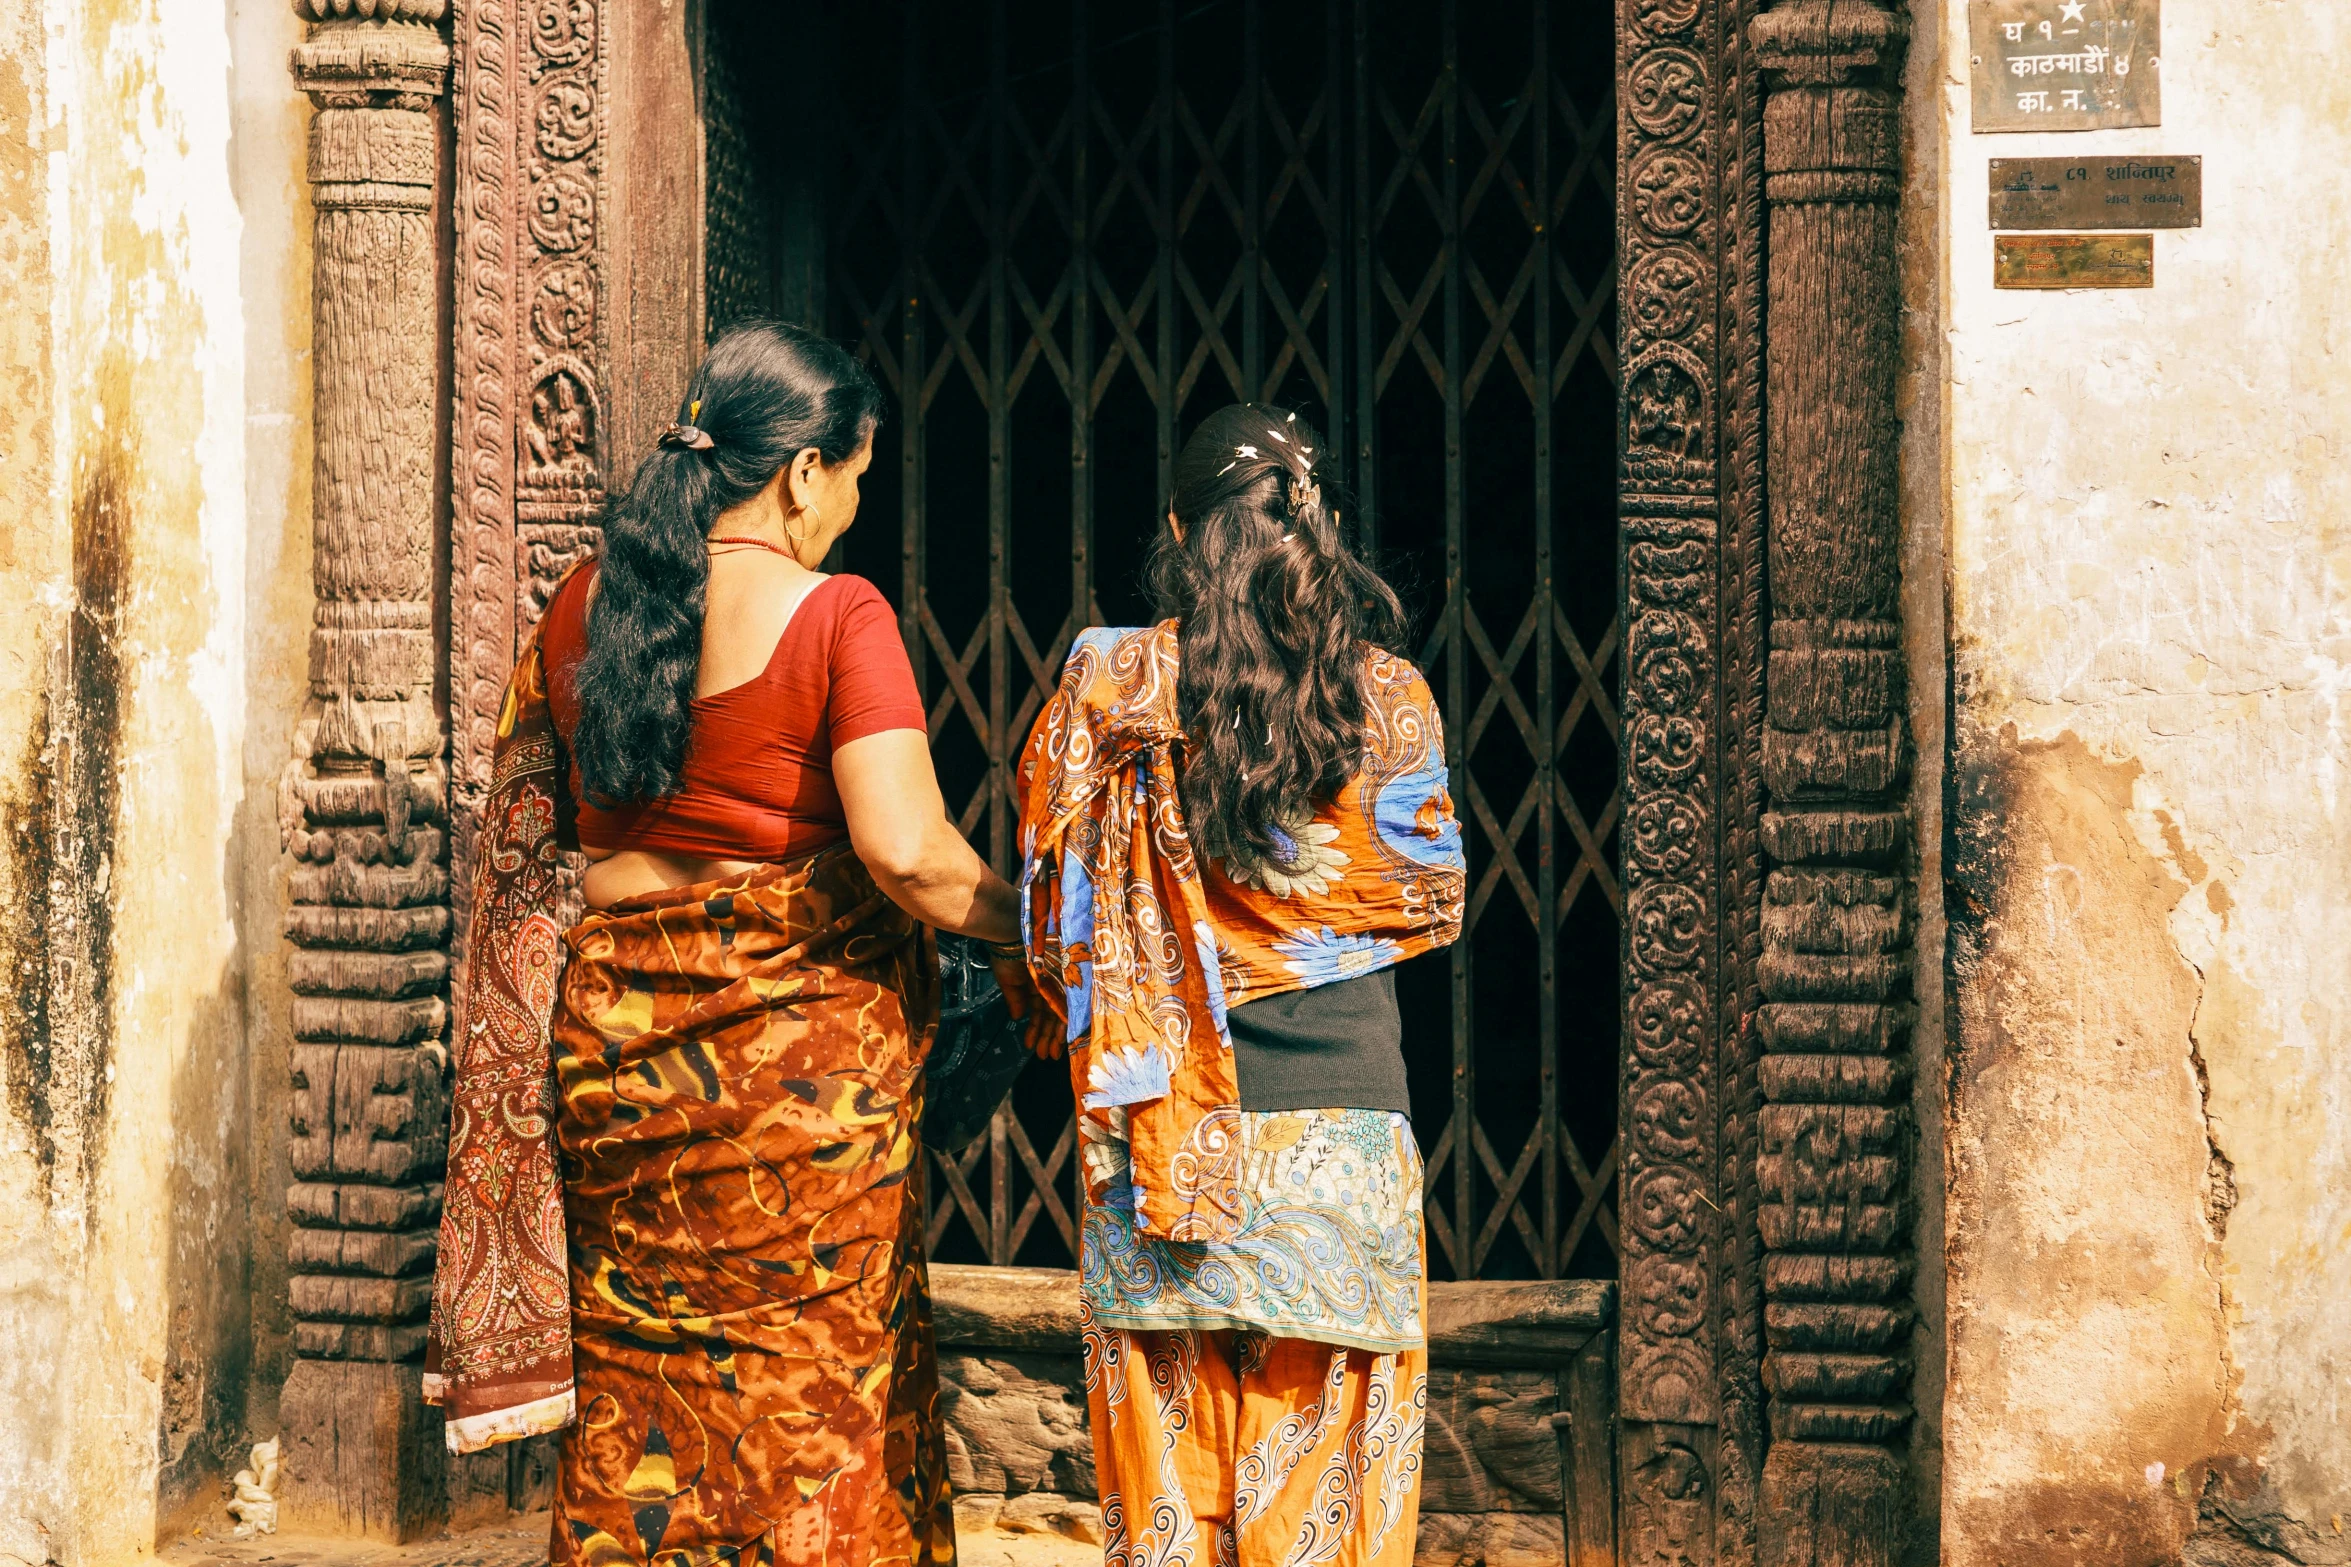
x=743, y=538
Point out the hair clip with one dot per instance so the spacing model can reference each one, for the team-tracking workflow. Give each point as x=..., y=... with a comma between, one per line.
x=687, y=436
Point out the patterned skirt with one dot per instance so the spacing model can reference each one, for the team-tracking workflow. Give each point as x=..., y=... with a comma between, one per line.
x=1329, y=1247
x=1261, y=1402
x=737, y=1069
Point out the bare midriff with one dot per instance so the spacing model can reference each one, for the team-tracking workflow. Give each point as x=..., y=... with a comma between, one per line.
x=618, y=874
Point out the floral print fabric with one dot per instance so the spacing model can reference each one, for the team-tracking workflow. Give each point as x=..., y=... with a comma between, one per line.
x=738, y=1070
x=498, y=1354
x=684, y=1208
x=1224, y=1449
x=1329, y=1246
x=1142, y=949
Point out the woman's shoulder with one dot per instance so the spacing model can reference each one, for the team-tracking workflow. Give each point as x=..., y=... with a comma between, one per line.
x=564, y=621
x=1393, y=672
x=839, y=600
x=1118, y=651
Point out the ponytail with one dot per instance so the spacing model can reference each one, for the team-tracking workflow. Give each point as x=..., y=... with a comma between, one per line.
x=765, y=393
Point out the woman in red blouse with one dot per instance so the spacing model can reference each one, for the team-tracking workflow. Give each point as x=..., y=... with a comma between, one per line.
x=698, y=1251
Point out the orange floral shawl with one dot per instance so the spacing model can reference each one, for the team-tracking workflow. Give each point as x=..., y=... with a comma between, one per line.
x=1141, y=952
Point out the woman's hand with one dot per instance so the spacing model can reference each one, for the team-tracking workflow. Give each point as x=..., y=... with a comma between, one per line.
x=1043, y=1034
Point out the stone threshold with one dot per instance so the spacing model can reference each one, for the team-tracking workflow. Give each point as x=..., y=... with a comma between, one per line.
x=520, y=1543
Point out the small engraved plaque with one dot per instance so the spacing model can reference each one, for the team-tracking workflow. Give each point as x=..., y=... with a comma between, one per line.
x=2097, y=193
x=2073, y=261
x=2065, y=65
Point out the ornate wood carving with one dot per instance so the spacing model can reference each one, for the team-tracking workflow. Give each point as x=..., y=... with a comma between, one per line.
x=364, y=806
x=1835, y=971
x=530, y=432
x=1689, y=203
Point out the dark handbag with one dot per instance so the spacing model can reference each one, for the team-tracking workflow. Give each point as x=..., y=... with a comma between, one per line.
x=978, y=1051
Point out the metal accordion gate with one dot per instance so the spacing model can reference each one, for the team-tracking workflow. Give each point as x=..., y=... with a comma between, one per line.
x=1061, y=234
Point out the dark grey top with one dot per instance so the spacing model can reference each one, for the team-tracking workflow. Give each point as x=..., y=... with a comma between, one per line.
x=1336, y=1047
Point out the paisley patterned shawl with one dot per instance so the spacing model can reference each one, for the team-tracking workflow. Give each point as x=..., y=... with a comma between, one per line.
x=499, y=1354
x=1142, y=949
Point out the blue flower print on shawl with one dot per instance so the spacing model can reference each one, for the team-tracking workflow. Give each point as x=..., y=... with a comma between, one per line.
x=1323, y=956
x=1125, y=1077
x=1076, y=927
x=1413, y=823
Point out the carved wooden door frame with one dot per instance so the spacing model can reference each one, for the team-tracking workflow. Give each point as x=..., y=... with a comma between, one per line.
x=1761, y=1372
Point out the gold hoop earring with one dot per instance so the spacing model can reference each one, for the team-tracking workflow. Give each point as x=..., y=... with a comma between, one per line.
x=797, y=537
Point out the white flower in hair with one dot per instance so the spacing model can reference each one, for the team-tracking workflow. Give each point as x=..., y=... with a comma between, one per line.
x=1246, y=451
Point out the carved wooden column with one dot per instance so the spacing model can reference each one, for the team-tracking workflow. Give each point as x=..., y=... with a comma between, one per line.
x=1835, y=969
x=364, y=806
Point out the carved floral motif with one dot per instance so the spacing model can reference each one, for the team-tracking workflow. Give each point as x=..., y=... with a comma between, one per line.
x=1666, y=289
x=1665, y=93
x=566, y=118
x=562, y=214
x=1666, y=18
x=563, y=305
x=1669, y=190
x=563, y=32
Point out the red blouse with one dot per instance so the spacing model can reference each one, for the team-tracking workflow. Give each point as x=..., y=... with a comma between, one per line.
x=758, y=775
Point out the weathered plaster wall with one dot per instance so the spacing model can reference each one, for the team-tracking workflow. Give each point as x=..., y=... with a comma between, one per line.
x=146, y=427
x=269, y=134
x=2147, y=519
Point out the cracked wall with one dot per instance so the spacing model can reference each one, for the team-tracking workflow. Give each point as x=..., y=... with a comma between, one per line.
x=2144, y=519
x=153, y=591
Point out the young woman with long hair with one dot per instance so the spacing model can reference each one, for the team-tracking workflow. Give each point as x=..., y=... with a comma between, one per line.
x=1236, y=822
x=696, y=1247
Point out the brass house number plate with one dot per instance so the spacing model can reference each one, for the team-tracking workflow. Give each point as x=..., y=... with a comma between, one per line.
x=2073, y=261
x=2065, y=65
x=2097, y=193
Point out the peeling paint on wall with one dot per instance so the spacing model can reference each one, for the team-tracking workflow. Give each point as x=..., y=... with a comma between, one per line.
x=59, y=829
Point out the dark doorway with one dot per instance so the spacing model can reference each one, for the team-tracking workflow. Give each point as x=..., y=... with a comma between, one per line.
x=1062, y=233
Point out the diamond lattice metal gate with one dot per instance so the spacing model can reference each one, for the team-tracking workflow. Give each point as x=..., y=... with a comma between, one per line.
x=1062, y=234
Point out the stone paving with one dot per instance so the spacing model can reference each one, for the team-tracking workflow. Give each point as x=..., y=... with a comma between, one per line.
x=1037, y=1542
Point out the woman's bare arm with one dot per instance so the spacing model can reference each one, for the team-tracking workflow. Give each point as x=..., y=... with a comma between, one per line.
x=898, y=826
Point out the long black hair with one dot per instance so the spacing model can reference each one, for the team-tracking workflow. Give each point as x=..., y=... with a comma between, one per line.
x=765, y=393
x=1275, y=615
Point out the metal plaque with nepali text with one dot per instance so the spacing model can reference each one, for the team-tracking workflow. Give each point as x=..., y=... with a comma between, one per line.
x=2097, y=193
x=2065, y=65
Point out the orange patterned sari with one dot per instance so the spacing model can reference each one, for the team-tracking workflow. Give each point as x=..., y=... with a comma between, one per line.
x=685, y=1173
x=1142, y=951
